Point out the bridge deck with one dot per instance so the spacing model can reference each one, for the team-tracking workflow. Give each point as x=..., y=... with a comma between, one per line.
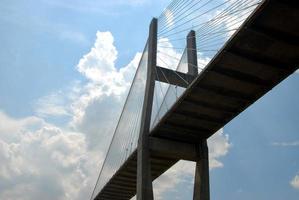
x=259, y=56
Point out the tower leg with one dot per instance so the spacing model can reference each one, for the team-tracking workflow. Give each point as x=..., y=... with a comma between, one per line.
x=201, y=181
x=144, y=179
x=192, y=54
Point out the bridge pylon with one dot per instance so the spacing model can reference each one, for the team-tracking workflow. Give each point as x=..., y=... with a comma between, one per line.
x=253, y=58
x=163, y=147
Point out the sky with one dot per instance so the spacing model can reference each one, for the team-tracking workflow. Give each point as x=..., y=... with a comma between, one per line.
x=65, y=69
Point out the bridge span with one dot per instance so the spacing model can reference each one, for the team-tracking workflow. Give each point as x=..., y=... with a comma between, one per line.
x=199, y=97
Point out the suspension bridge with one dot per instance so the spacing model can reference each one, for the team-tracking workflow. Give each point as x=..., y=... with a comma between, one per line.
x=205, y=61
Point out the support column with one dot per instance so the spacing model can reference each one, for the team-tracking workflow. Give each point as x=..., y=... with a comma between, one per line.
x=192, y=54
x=201, y=180
x=144, y=179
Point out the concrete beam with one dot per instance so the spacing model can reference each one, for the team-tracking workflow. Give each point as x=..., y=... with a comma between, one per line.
x=173, y=149
x=173, y=77
x=202, y=180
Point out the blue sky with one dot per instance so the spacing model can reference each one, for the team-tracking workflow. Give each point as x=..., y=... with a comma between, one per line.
x=44, y=40
x=52, y=108
x=264, y=154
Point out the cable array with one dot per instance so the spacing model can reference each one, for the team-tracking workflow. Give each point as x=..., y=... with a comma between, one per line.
x=214, y=22
x=170, y=93
x=126, y=133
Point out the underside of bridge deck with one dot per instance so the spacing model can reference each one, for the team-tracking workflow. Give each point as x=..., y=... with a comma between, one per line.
x=259, y=56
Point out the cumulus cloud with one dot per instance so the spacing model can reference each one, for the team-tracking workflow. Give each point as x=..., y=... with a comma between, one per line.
x=100, y=101
x=295, y=182
x=100, y=60
x=9, y=126
x=93, y=106
x=218, y=147
x=44, y=160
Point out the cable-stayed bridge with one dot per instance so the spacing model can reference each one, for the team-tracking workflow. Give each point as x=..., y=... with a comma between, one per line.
x=205, y=61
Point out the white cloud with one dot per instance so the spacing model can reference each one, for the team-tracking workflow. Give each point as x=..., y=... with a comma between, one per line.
x=9, y=126
x=94, y=106
x=98, y=64
x=52, y=105
x=218, y=147
x=42, y=160
x=182, y=171
x=100, y=101
x=167, y=56
x=286, y=144
x=295, y=182
x=169, y=18
x=297, y=71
